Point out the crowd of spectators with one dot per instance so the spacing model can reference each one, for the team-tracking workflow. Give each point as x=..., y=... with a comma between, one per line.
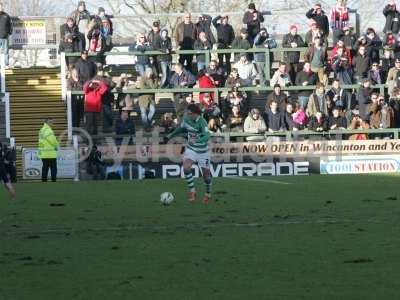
x=366, y=60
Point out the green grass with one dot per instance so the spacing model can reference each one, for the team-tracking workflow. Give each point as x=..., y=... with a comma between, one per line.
x=321, y=237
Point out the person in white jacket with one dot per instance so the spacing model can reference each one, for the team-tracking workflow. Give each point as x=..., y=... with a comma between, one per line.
x=281, y=77
x=254, y=123
x=246, y=69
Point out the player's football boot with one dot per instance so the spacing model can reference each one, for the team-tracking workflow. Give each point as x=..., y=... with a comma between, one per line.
x=191, y=196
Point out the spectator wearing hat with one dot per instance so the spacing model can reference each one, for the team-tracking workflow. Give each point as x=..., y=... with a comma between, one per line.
x=70, y=40
x=392, y=16
x=5, y=31
x=317, y=56
x=306, y=77
x=204, y=25
x=253, y=19
x=185, y=36
x=246, y=69
x=85, y=68
x=202, y=43
x=263, y=41
x=339, y=17
x=364, y=96
x=281, y=77
x=163, y=43
x=142, y=60
x=318, y=101
x=361, y=64
x=292, y=40
x=241, y=42
x=318, y=15
x=225, y=37
x=124, y=126
x=82, y=19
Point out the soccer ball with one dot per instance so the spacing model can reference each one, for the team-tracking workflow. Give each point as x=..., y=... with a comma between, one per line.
x=166, y=198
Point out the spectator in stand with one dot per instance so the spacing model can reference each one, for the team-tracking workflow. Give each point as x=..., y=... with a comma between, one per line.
x=381, y=115
x=181, y=106
x=202, y=43
x=225, y=36
x=253, y=19
x=167, y=124
x=318, y=101
x=97, y=43
x=361, y=64
x=358, y=123
x=142, y=61
x=306, y=77
x=254, y=123
x=233, y=79
x=346, y=52
x=393, y=78
x=154, y=37
x=300, y=119
x=374, y=44
x=338, y=97
x=163, y=43
x=205, y=81
x=70, y=40
x=318, y=15
x=339, y=18
x=74, y=84
x=204, y=25
x=342, y=67
x=85, y=68
x=274, y=119
x=364, y=99
x=106, y=27
x=288, y=118
x=375, y=74
x=235, y=120
x=336, y=120
x=278, y=96
x=214, y=125
x=185, y=36
x=5, y=31
x=392, y=16
x=349, y=39
x=262, y=40
x=216, y=73
x=240, y=42
x=94, y=91
x=292, y=40
x=394, y=103
x=246, y=69
x=387, y=112
x=387, y=62
x=314, y=32
x=124, y=126
x=234, y=98
x=318, y=123
x=209, y=106
x=281, y=77
x=317, y=57
x=146, y=101
x=82, y=19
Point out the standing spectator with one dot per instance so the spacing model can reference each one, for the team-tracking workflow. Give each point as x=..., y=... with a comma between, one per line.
x=124, y=126
x=274, y=119
x=253, y=19
x=82, y=19
x=306, y=77
x=204, y=25
x=288, y=118
x=202, y=43
x=85, y=68
x=163, y=43
x=263, y=40
x=240, y=42
x=394, y=103
x=281, y=77
x=254, y=124
x=292, y=40
x=94, y=91
x=387, y=62
x=318, y=15
x=5, y=31
x=364, y=99
x=317, y=57
x=146, y=101
x=349, y=39
x=205, y=81
x=97, y=43
x=278, y=96
x=216, y=73
x=358, y=123
x=48, y=147
x=106, y=27
x=225, y=36
x=339, y=18
x=209, y=107
x=142, y=61
x=336, y=121
x=246, y=69
x=185, y=36
x=374, y=45
x=361, y=64
x=318, y=101
x=318, y=123
x=392, y=16
x=375, y=74
x=393, y=77
x=70, y=40
x=313, y=33
x=338, y=97
x=153, y=37
x=233, y=79
x=75, y=84
x=342, y=67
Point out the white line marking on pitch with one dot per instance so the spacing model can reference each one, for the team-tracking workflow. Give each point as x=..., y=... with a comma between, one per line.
x=260, y=180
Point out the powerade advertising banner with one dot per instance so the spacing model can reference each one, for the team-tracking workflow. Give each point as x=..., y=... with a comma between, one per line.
x=32, y=164
x=367, y=164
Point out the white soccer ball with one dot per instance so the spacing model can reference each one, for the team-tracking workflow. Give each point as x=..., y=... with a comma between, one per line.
x=166, y=198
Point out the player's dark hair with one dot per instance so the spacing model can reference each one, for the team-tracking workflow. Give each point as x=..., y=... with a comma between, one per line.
x=195, y=109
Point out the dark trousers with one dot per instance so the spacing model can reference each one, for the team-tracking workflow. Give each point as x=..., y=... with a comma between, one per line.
x=49, y=163
x=77, y=110
x=91, y=120
x=188, y=58
x=292, y=70
x=227, y=65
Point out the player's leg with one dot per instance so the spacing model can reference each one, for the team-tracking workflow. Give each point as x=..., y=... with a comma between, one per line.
x=7, y=184
x=204, y=163
x=187, y=170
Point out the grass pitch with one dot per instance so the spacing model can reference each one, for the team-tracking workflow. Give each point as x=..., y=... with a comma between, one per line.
x=317, y=237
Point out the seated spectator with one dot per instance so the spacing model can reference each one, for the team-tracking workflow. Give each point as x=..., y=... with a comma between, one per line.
x=318, y=101
x=381, y=114
x=306, y=77
x=202, y=43
x=235, y=120
x=106, y=27
x=216, y=73
x=70, y=40
x=74, y=84
x=281, y=77
x=279, y=96
x=375, y=74
x=124, y=126
x=288, y=118
x=318, y=123
x=344, y=52
x=263, y=40
x=361, y=64
x=336, y=121
x=163, y=43
x=234, y=98
x=85, y=68
x=167, y=124
x=246, y=69
x=292, y=58
x=241, y=42
x=214, y=125
x=358, y=123
x=181, y=78
x=142, y=61
x=146, y=101
x=274, y=119
x=233, y=79
x=342, y=67
x=317, y=57
x=181, y=105
x=210, y=107
x=254, y=123
x=205, y=81
x=338, y=97
x=300, y=119
x=94, y=91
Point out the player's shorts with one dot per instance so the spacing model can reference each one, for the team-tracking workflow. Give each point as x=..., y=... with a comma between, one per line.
x=3, y=174
x=202, y=159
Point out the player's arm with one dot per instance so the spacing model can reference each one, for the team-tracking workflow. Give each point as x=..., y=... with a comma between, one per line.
x=178, y=131
x=205, y=133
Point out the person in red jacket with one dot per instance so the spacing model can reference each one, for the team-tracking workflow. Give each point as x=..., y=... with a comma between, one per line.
x=94, y=91
x=205, y=81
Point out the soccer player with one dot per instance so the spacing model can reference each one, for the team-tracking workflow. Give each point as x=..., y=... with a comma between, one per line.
x=3, y=175
x=196, y=150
